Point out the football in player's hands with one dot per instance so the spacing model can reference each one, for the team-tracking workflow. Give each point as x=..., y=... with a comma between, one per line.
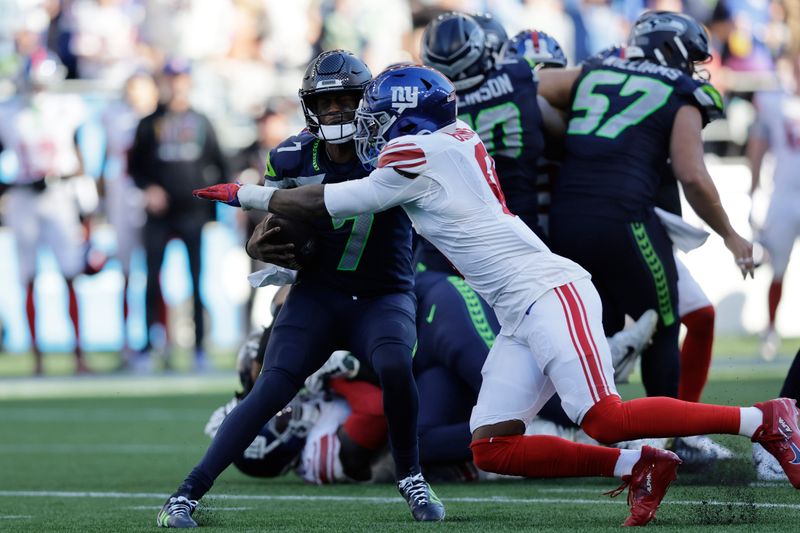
x=297, y=232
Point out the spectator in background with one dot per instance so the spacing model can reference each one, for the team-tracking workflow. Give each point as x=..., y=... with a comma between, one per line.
x=40, y=128
x=124, y=202
x=175, y=150
x=272, y=128
x=104, y=37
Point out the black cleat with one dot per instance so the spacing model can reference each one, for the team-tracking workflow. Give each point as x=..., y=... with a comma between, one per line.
x=424, y=503
x=177, y=512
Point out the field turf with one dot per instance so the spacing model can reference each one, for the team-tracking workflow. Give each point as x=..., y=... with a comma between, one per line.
x=102, y=453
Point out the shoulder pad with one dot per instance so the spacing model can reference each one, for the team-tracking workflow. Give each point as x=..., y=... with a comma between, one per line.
x=704, y=96
x=286, y=159
x=404, y=154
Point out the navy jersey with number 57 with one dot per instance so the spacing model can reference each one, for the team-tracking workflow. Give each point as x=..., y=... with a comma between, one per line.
x=619, y=132
x=505, y=114
x=364, y=255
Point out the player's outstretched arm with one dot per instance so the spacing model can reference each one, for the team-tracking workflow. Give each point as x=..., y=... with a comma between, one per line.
x=686, y=152
x=307, y=201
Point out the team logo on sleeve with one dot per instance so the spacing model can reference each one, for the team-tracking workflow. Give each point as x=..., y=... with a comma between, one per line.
x=404, y=97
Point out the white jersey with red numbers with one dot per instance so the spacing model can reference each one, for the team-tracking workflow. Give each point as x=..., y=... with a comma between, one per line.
x=446, y=183
x=778, y=122
x=40, y=130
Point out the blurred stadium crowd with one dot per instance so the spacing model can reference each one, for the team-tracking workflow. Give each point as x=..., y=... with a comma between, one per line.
x=239, y=63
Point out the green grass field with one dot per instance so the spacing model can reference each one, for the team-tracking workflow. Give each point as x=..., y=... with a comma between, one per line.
x=101, y=453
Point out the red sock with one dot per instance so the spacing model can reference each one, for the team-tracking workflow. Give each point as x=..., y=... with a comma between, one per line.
x=773, y=299
x=73, y=316
x=30, y=311
x=611, y=420
x=542, y=456
x=366, y=425
x=696, y=353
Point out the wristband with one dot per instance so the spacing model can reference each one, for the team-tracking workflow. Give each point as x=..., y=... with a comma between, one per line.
x=255, y=196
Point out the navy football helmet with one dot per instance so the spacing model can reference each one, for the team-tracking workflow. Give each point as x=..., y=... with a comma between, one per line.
x=671, y=39
x=278, y=445
x=538, y=48
x=455, y=45
x=402, y=100
x=495, y=32
x=334, y=71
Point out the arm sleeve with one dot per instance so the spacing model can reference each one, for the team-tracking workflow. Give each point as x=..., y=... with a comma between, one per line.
x=383, y=189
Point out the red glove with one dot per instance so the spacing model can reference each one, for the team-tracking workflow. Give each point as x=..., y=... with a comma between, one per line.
x=227, y=193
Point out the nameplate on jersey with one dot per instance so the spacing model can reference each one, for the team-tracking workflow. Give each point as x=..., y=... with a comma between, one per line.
x=491, y=88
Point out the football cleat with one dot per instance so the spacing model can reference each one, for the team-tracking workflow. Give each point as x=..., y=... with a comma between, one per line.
x=627, y=345
x=425, y=505
x=767, y=467
x=177, y=512
x=699, y=450
x=647, y=484
x=779, y=435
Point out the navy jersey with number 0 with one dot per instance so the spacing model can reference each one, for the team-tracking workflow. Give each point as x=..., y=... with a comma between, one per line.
x=618, y=136
x=363, y=255
x=504, y=112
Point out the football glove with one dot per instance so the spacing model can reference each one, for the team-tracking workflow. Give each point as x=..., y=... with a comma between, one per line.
x=227, y=193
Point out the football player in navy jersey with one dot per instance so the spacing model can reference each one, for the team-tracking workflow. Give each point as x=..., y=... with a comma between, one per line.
x=627, y=117
x=357, y=295
x=497, y=99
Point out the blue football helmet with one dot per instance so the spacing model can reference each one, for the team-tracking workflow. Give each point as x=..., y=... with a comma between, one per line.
x=495, y=33
x=455, y=45
x=671, y=39
x=278, y=445
x=402, y=100
x=538, y=48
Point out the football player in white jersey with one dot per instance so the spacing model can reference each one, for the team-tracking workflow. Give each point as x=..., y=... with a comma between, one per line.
x=552, y=337
x=39, y=128
x=777, y=129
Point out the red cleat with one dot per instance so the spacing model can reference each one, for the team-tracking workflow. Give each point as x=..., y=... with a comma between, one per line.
x=648, y=483
x=780, y=436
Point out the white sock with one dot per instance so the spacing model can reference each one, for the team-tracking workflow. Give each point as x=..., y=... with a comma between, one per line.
x=625, y=462
x=749, y=420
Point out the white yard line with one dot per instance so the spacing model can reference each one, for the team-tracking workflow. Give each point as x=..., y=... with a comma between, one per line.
x=380, y=500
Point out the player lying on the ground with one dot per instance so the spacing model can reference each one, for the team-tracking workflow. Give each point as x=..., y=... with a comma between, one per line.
x=552, y=338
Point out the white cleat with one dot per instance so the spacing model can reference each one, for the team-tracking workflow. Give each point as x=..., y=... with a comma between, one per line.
x=767, y=467
x=627, y=345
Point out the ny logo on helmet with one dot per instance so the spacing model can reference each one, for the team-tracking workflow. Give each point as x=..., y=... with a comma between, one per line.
x=404, y=97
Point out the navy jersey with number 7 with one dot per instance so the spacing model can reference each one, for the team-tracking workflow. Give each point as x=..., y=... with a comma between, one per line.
x=362, y=255
x=618, y=137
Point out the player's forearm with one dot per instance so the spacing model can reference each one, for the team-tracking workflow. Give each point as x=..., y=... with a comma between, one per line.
x=702, y=195
x=307, y=201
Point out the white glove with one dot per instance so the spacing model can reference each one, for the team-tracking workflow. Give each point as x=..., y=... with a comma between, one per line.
x=341, y=364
